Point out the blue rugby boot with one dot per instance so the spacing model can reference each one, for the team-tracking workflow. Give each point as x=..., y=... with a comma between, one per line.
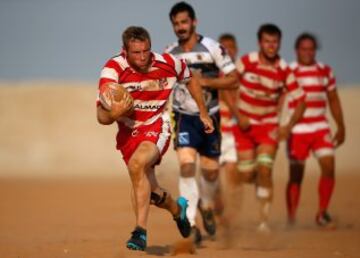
x=137, y=240
x=182, y=221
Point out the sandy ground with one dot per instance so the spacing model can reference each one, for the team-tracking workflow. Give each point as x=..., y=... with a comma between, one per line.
x=93, y=218
x=64, y=191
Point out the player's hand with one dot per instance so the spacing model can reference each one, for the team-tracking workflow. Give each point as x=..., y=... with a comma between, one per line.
x=243, y=122
x=122, y=107
x=339, y=137
x=207, y=122
x=283, y=133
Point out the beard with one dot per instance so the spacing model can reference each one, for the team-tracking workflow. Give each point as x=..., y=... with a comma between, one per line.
x=307, y=60
x=184, y=35
x=270, y=56
x=140, y=68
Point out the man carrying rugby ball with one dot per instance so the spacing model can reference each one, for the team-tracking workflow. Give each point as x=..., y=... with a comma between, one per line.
x=138, y=106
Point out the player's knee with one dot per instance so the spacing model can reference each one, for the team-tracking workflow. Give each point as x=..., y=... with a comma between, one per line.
x=264, y=176
x=247, y=177
x=328, y=172
x=246, y=170
x=296, y=171
x=327, y=166
x=136, y=166
x=296, y=162
x=265, y=160
x=187, y=170
x=210, y=174
x=297, y=166
x=158, y=199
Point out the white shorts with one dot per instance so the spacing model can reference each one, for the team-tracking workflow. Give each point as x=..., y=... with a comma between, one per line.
x=228, y=149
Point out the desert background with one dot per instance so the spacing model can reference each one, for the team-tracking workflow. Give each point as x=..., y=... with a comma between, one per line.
x=64, y=190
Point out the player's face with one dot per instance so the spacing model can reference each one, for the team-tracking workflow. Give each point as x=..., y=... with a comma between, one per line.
x=230, y=47
x=306, y=52
x=269, y=45
x=138, y=54
x=183, y=25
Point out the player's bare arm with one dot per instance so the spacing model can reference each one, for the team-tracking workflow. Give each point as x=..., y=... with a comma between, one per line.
x=196, y=93
x=284, y=131
x=337, y=114
x=231, y=102
x=103, y=116
x=229, y=81
x=228, y=97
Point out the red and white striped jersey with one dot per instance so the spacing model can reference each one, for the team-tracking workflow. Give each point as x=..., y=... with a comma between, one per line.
x=316, y=80
x=150, y=90
x=261, y=87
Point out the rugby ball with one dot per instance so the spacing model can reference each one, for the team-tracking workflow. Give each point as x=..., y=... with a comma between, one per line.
x=111, y=91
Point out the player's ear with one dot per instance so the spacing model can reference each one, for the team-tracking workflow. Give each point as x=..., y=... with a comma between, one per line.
x=195, y=22
x=123, y=50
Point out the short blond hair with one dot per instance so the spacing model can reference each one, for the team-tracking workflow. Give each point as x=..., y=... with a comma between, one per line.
x=135, y=33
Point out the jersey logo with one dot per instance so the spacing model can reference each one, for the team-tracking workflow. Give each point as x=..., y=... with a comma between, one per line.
x=163, y=83
x=184, y=138
x=151, y=134
x=134, y=87
x=147, y=106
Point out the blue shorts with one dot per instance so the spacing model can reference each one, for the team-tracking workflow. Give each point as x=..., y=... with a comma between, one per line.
x=189, y=132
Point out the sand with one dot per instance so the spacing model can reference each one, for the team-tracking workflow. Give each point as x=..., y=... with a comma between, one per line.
x=64, y=191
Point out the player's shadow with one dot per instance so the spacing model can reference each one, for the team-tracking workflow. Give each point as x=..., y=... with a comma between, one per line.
x=158, y=250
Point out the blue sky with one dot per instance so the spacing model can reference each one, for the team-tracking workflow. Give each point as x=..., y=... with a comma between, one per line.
x=71, y=39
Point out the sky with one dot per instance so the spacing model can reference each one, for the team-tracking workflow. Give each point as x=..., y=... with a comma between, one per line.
x=72, y=39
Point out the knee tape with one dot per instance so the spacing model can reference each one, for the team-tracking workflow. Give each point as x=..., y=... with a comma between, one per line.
x=265, y=160
x=246, y=166
x=207, y=163
x=158, y=199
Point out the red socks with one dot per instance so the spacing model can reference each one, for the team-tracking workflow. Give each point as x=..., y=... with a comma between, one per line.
x=326, y=187
x=292, y=199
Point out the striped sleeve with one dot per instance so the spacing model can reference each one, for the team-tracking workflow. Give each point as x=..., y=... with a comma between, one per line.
x=292, y=86
x=222, y=59
x=182, y=70
x=109, y=73
x=219, y=55
x=331, y=84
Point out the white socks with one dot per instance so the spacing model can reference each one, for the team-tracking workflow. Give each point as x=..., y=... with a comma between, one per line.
x=189, y=190
x=208, y=190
